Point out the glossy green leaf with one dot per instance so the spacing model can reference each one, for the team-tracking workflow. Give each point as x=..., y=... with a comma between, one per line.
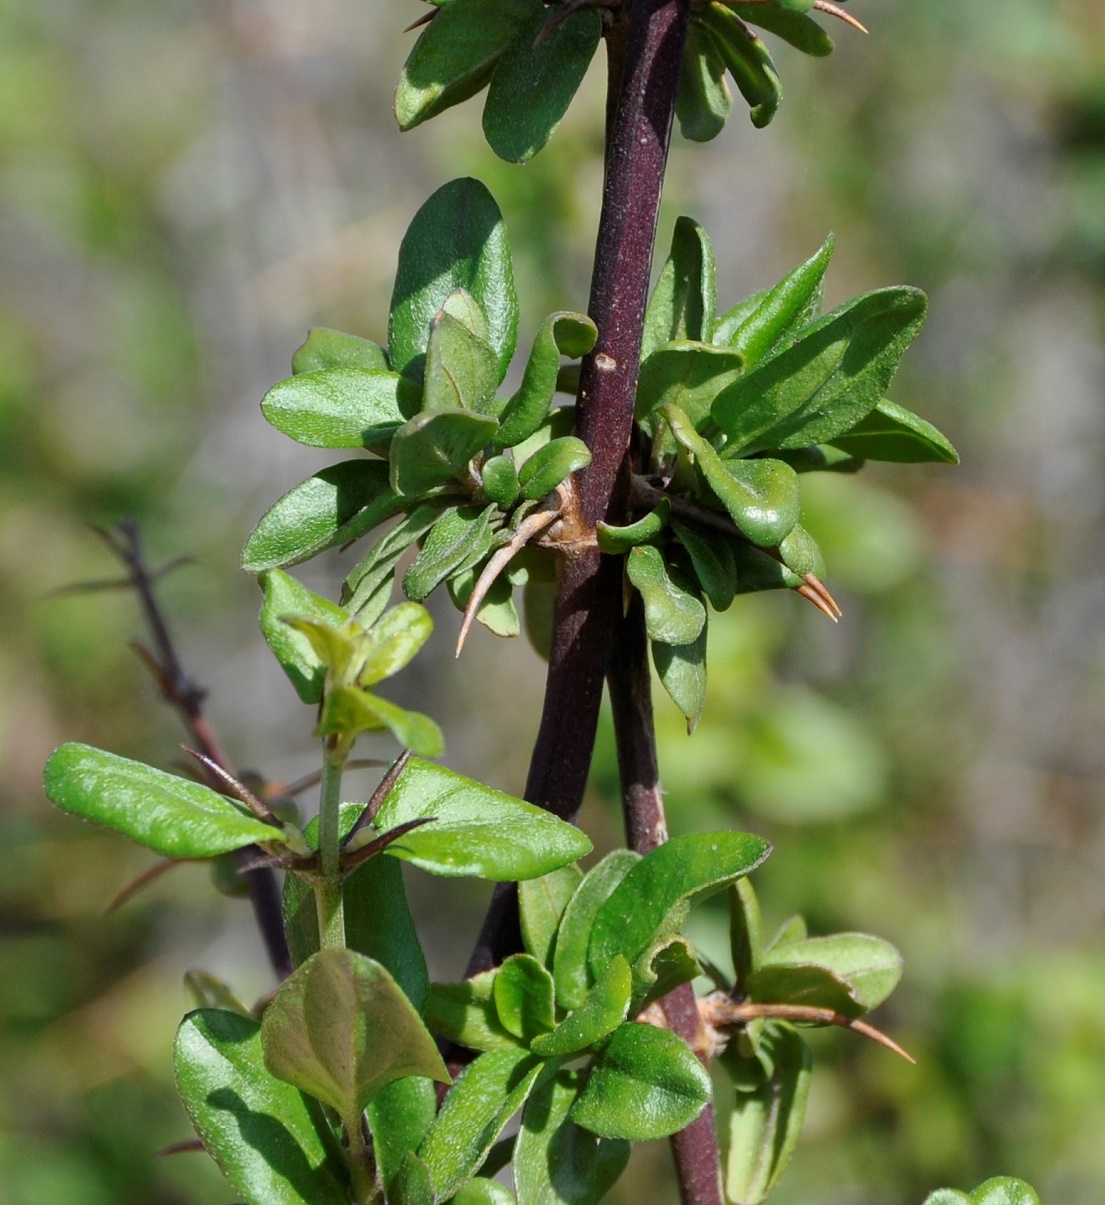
x=758, y=571
x=324, y=349
x=500, y=480
x=746, y=936
x=550, y=465
x=393, y=641
x=662, y=968
x=682, y=672
x=348, y=710
x=683, y=302
x=411, y=1183
x=455, y=55
x=765, y=1124
x=476, y=830
x=823, y=458
x=268, y=1140
x=535, y=80
x=173, y=816
x=435, y=447
x=1004, y=1190
x=523, y=995
x=341, y=1029
x=484, y=1098
x=617, y=540
x=673, y=613
x=893, y=433
x=461, y=538
x=332, y=507
x=800, y=553
x=652, y=901
x=561, y=334
x=497, y=612
x=399, y=1117
x=602, y=1011
x=711, y=554
x=820, y=386
x=732, y=320
x=465, y=1013
x=747, y=59
x=555, y=1161
x=785, y=309
x=793, y=25
x=868, y=967
x=645, y=1083
x=948, y=1196
x=341, y=407
x=541, y=904
x=461, y=369
x=761, y=496
x=571, y=971
x=482, y=1191
x=456, y=241
x=688, y=375
x=372, y=576
x=703, y=103
x=284, y=597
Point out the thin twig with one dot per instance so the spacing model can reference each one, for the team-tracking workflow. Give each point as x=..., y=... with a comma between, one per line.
x=151, y=875
x=257, y=806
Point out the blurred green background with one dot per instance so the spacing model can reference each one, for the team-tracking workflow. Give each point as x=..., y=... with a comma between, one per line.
x=186, y=186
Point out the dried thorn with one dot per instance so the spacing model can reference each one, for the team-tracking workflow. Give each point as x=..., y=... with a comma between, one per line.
x=383, y=789
x=136, y=884
x=186, y=1147
x=352, y=860
x=822, y=589
x=176, y=562
x=156, y=669
x=425, y=19
x=257, y=806
x=811, y=595
x=740, y=1014
x=834, y=10
x=277, y=862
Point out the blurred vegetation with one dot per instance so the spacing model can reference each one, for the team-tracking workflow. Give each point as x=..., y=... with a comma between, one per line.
x=184, y=187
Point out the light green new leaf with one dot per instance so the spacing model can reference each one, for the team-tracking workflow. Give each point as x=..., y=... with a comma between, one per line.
x=555, y=1161
x=821, y=385
x=286, y=598
x=683, y=303
x=732, y=320
x=461, y=538
x=644, y=1083
x=332, y=507
x=1004, y=1190
x=688, y=375
x=435, y=447
x=173, y=816
x=410, y=1185
x=792, y=24
x=341, y=407
x=948, y=1196
x=652, y=901
x=869, y=966
x=348, y=710
x=393, y=641
x=603, y=1010
x=894, y=433
x=766, y=1122
x=476, y=830
x=367, y=588
x=682, y=672
x=482, y=1191
x=325, y=348
x=534, y=82
x=703, y=103
x=541, y=904
x=455, y=55
x=268, y=1140
x=461, y=369
x=465, y=1013
x=673, y=613
x=341, y=1029
x=523, y=994
x=456, y=241
x=550, y=465
x=485, y=1097
x=747, y=58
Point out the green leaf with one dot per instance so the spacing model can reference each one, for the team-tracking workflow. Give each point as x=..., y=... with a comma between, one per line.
x=682, y=672
x=785, y=309
x=363, y=587
x=485, y=1097
x=465, y=1013
x=268, y=1140
x=618, y=540
x=497, y=612
x=761, y=496
x=571, y=972
x=948, y=1196
x=561, y=334
x=662, y=968
x=461, y=538
x=285, y=597
x=456, y=241
x=500, y=480
x=683, y=303
x=645, y=1083
x=555, y=1161
x=688, y=375
x=765, y=1124
x=171, y=815
x=551, y=464
x=482, y=1191
x=411, y=1183
x=341, y=407
x=208, y=991
x=820, y=386
x=793, y=25
x=746, y=935
x=869, y=967
x=334, y=506
x=348, y=711
x=1004, y=1190
x=534, y=82
x=325, y=348
x=393, y=641
x=603, y=1010
x=341, y=1029
x=703, y=103
x=748, y=61
x=435, y=447
x=523, y=995
x=461, y=369
x=893, y=433
x=673, y=614
x=824, y=458
x=455, y=55
x=730, y=322
x=800, y=553
x=476, y=830
x=399, y=1117
x=652, y=901
x=758, y=571
x=711, y=554
x=541, y=904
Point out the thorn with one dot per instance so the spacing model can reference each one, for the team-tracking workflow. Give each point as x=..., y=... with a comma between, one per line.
x=834, y=10
x=136, y=884
x=425, y=19
x=277, y=862
x=811, y=595
x=726, y=1013
x=383, y=789
x=351, y=860
x=181, y=1148
x=257, y=806
x=820, y=587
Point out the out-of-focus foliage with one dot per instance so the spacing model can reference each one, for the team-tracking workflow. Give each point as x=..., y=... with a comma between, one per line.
x=184, y=188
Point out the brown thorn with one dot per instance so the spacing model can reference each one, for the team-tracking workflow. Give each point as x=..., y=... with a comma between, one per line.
x=834, y=10
x=383, y=789
x=811, y=595
x=277, y=862
x=188, y=1146
x=818, y=585
x=425, y=19
x=380, y=843
x=728, y=1013
x=136, y=884
x=257, y=806
x=299, y=785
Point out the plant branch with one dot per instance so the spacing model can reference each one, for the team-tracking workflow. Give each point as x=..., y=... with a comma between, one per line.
x=328, y=887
